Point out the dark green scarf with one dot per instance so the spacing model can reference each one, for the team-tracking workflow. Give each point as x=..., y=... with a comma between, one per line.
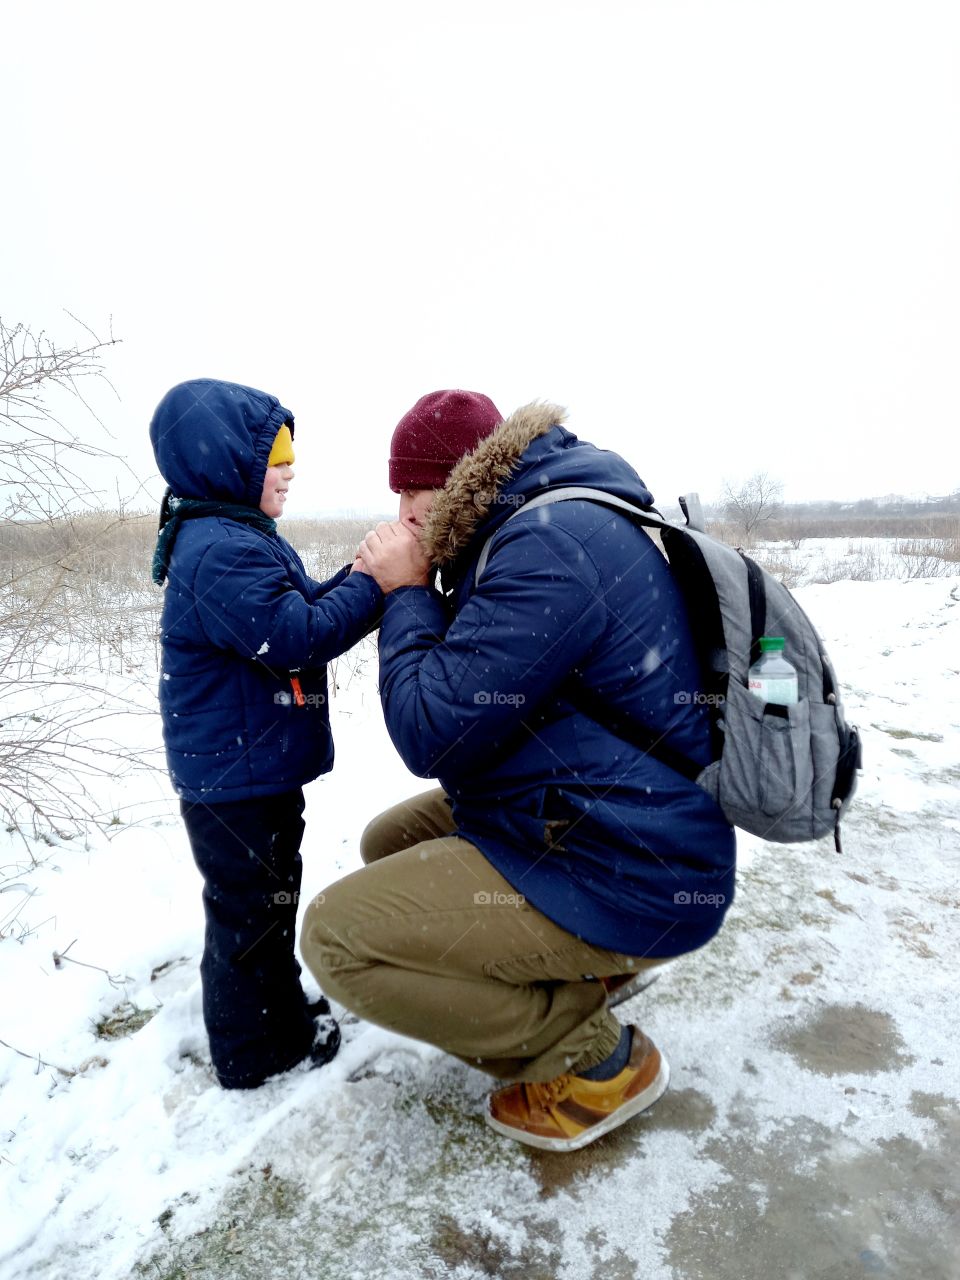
x=173, y=512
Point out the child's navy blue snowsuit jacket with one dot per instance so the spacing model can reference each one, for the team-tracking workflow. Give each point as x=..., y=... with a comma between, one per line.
x=240, y=614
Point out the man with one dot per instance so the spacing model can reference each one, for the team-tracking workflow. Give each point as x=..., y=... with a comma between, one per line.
x=555, y=855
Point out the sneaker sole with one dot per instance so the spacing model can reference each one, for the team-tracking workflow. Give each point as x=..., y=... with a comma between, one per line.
x=642, y=1102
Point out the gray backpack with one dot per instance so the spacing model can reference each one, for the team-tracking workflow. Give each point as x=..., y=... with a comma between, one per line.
x=785, y=773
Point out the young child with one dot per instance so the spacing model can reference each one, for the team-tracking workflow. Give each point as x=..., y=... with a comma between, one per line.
x=246, y=635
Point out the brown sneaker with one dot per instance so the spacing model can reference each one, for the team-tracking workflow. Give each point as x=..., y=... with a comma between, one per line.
x=570, y=1112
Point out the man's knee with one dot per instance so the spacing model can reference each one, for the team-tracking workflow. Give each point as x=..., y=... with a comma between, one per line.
x=323, y=938
x=422, y=817
x=379, y=837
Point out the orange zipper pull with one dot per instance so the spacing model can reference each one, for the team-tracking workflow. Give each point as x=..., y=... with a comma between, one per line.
x=298, y=697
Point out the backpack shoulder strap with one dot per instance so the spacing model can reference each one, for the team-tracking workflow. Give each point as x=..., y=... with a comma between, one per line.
x=644, y=739
x=585, y=700
x=652, y=519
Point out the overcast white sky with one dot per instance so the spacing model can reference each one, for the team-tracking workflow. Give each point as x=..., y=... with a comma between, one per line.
x=725, y=235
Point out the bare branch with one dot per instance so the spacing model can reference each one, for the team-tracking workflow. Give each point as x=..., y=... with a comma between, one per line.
x=35, y=1057
x=752, y=503
x=53, y=542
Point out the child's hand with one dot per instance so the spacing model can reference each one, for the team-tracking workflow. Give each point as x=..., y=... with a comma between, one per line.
x=392, y=554
x=358, y=566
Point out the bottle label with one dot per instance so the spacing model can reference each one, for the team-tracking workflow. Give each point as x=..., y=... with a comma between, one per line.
x=781, y=691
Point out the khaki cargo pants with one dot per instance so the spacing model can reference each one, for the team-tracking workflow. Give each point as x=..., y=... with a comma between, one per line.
x=430, y=941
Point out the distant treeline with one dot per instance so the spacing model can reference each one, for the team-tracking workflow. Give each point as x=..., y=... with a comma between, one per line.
x=117, y=546
x=891, y=505
x=792, y=524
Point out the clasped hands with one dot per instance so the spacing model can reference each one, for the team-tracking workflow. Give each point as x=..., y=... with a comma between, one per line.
x=393, y=557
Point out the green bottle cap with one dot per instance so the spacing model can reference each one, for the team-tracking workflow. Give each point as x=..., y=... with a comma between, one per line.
x=771, y=644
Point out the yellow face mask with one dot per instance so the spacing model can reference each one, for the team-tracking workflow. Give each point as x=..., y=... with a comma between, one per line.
x=282, y=451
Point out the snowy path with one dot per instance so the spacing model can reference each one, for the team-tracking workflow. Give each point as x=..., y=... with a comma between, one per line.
x=811, y=1129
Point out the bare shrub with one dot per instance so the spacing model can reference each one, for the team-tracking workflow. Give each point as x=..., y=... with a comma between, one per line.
x=929, y=557
x=863, y=563
x=781, y=567
x=81, y=583
x=726, y=531
x=39, y=452
x=54, y=743
x=828, y=571
x=868, y=565
x=751, y=505
x=51, y=740
x=327, y=544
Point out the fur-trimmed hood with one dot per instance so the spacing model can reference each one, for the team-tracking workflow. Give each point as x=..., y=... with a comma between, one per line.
x=529, y=453
x=466, y=499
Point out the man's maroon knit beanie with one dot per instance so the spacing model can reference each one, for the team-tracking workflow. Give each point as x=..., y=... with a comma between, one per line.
x=432, y=438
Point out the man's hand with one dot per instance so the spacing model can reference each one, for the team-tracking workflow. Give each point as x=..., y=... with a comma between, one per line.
x=391, y=553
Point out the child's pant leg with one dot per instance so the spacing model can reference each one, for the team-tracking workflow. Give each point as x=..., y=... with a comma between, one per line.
x=254, y=1010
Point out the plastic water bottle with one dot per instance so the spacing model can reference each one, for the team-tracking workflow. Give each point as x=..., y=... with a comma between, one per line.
x=772, y=678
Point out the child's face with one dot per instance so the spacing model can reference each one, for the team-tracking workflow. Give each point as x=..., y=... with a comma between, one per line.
x=275, y=485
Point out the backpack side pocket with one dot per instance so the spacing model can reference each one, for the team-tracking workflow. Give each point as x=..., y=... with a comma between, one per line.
x=765, y=779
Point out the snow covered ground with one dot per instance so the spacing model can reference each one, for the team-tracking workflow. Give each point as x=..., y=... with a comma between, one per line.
x=811, y=1129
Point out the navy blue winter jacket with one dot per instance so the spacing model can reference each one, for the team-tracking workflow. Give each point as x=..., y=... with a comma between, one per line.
x=240, y=613
x=479, y=689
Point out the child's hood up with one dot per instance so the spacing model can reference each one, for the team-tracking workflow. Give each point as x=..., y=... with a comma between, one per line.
x=212, y=439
